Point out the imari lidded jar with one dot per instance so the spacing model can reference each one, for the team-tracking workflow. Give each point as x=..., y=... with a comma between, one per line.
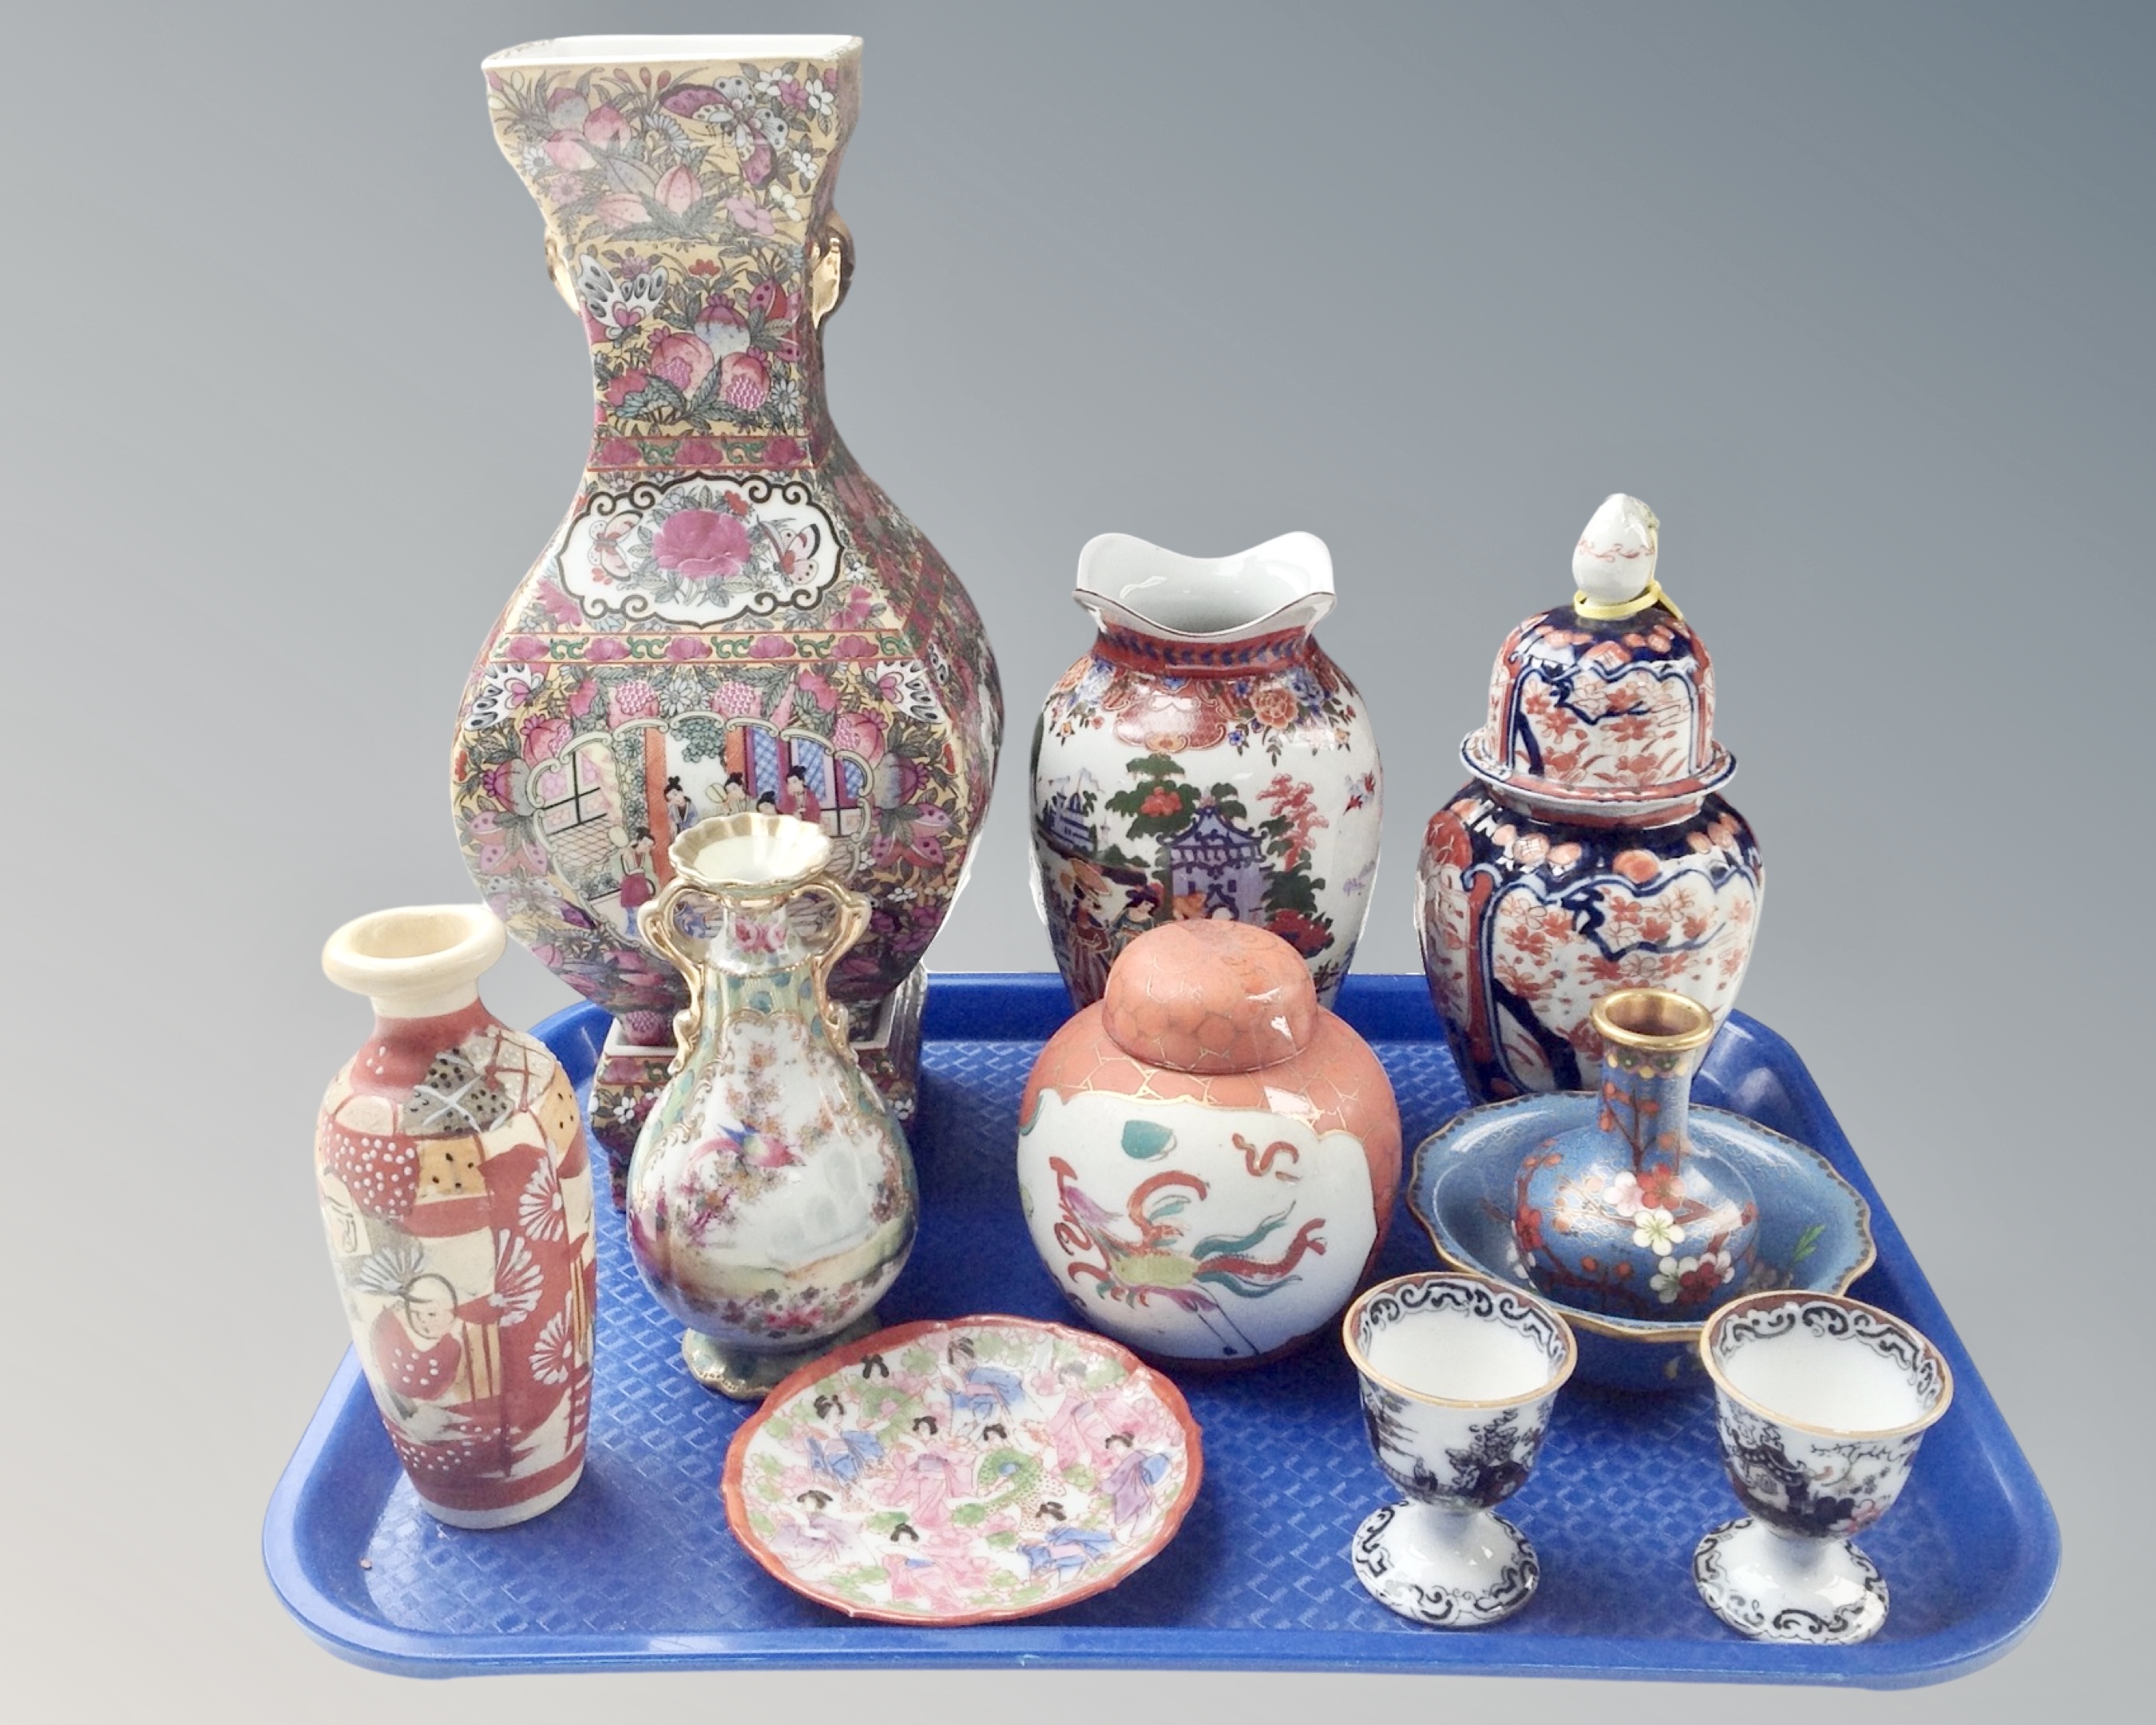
x=1204, y=762
x=1590, y=852
x=733, y=617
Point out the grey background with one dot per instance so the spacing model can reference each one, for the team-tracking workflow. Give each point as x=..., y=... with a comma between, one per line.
x=1857, y=297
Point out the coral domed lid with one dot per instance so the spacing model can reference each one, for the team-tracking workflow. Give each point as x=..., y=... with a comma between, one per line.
x=1210, y=997
x=1608, y=702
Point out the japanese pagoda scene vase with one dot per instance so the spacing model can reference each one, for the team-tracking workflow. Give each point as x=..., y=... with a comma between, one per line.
x=732, y=616
x=1590, y=852
x=1204, y=760
x=456, y=1189
x=1207, y=1158
x=771, y=1198
x=1629, y=1217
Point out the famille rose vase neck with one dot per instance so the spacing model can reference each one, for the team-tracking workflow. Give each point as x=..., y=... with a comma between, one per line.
x=686, y=184
x=1160, y=611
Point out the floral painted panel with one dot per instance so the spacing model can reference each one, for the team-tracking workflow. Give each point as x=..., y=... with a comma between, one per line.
x=963, y=1471
x=733, y=615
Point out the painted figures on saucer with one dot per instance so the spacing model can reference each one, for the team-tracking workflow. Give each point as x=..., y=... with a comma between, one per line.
x=963, y=1471
x=1819, y=1403
x=1458, y=1376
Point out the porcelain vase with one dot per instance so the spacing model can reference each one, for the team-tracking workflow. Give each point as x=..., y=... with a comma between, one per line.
x=771, y=1197
x=732, y=616
x=1589, y=852
x=1207, y=1158
x=1205, y=760
x=456, y=1189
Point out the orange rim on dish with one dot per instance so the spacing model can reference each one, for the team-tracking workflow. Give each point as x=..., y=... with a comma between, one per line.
x=1149, y=1382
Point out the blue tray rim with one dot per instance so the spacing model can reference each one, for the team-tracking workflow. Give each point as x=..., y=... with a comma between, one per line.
x=1029, y=1006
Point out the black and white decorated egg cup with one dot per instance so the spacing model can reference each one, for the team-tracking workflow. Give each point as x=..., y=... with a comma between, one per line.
x=1819, y=1403
x=1458, y=1376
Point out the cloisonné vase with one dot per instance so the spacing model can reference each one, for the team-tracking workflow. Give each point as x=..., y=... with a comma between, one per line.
x=771, y=1198
x=1205, y=761
x=733, y=616
x=456, y=1189
x=1590, y=851
x=1208, y=1159
x=1627, y=1216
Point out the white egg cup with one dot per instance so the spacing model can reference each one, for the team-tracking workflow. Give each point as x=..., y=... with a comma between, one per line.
x=1819, y=1403
x=1458, y=1376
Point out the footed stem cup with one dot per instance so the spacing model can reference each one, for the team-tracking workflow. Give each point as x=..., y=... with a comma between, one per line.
x=1819, y=1404
x=1458, y=1377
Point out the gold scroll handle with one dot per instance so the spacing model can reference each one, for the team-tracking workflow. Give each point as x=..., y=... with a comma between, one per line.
x=850, y=922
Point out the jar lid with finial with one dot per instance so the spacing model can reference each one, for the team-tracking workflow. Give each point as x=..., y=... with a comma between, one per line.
x=1606, y=704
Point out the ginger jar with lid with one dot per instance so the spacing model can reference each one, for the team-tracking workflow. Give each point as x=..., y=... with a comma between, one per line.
x=1207, y=1157
x=1591, y=851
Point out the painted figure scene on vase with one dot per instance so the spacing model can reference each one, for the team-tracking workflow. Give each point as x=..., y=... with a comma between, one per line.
x=1181, y=775
x=733, y=616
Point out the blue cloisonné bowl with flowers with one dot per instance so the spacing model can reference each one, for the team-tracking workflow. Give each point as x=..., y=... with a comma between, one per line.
x=1814, y=1230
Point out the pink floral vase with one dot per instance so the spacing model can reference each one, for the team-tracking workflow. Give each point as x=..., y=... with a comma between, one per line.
x=456, y=1189
x=733, y=616
x=1589, y=852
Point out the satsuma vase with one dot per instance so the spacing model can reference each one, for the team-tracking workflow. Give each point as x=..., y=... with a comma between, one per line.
x=456, y=1189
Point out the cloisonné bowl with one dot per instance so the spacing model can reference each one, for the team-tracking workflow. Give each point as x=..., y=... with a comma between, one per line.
x=1815, y=1228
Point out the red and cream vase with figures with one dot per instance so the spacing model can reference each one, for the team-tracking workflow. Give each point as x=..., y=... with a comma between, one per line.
x=1204, y=761
x=771, y=1198
x=1591, y=851
x=732, y=616
x=456, y=1189
x=1207, y=1158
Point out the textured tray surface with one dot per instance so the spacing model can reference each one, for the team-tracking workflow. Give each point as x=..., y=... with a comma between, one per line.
x=638, y=1567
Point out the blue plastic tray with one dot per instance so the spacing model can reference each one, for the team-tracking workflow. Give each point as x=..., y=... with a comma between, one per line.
x=637, y=1568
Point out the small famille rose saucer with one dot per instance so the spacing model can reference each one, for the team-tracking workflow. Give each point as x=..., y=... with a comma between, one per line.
x=963, y=1471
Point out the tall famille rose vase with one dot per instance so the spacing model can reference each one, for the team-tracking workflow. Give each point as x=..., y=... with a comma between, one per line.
x=456, y=1189
x=733, y=616
x=1205, y=761
x=1590, y=852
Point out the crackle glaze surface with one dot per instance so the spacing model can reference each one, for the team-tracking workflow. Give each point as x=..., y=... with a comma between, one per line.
x=732, y=615
x=1175, y=781
x=456, y=1191
x=1207, y=1161
x=963, y=1471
